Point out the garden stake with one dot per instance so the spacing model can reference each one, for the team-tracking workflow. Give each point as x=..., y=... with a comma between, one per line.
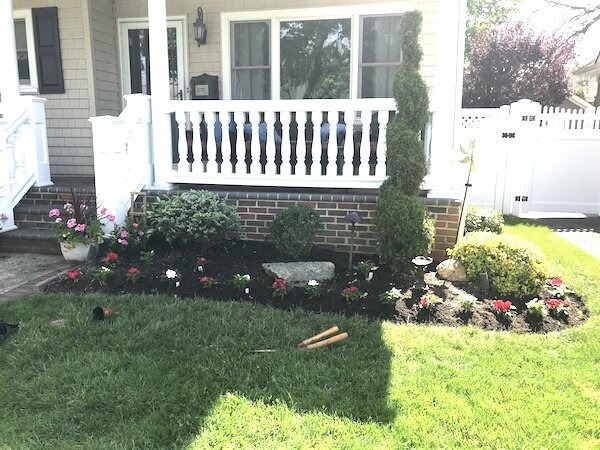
x=354, y=218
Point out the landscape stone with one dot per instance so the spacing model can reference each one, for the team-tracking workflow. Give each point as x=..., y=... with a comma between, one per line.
x=301, y=272
x=452, y=270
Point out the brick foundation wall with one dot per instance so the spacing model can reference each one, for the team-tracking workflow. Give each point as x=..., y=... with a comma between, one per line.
x=257, y=210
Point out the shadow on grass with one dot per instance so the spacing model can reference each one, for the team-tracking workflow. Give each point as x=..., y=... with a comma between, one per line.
x=150, y=378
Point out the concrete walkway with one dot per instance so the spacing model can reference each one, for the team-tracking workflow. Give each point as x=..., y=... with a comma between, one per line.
x=21, y=273
x=584, y=232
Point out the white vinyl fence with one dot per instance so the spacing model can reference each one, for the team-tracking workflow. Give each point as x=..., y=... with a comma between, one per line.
x=530, y=158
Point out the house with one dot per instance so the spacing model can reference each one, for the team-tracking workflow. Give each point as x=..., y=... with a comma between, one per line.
x=591, y=71
x=276, y=78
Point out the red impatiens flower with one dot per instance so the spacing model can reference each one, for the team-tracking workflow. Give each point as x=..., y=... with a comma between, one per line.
x=74, y=274
x=133, y=271
x=110, y=257
x=280, y=284
x=557, y=303
x=555, y=281
x=201, y=260
x=502, y=306
x=424, y=301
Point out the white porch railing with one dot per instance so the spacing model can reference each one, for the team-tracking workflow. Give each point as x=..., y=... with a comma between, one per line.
x=122, y=156
x=280, y=143
x=23, y=153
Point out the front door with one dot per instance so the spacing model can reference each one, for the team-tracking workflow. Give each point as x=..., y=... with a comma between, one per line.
x=135, y=56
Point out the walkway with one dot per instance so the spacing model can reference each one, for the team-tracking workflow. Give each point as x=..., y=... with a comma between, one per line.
x=583, y=232
x=21, y=273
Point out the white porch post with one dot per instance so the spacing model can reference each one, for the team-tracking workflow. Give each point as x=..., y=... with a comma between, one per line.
x=9, y=75
x=159, y=82
x=446, y=107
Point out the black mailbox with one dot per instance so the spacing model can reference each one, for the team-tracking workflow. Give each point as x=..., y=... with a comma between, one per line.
x=205, y=87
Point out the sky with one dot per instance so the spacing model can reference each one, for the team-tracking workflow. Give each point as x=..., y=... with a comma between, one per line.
x=544, y=17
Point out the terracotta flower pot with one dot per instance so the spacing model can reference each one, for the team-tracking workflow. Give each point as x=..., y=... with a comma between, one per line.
x=79, y=251
x=99, y=313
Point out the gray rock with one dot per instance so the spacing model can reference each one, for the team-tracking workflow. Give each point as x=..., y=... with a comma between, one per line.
x=452, y=270
x=301, y=272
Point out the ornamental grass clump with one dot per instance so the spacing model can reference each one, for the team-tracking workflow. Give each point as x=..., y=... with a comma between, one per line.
x=199, y=217
x=513, y=266
x=403, y=224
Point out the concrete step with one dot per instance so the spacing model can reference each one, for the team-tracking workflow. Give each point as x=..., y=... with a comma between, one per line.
x=30, y=240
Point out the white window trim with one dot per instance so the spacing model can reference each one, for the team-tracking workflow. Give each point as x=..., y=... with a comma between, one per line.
x=275, y=17
x=177, y=22
x=32, y=87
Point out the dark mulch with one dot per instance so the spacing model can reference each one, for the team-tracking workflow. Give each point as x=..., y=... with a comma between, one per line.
x=245, y=257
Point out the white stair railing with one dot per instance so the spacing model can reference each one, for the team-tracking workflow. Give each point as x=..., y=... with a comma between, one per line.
x=23, y=153
x=122, y=156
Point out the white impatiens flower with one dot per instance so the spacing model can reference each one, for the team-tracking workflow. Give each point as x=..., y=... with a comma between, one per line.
x=313, y=283
x=395, y=293
x=246, y=277
x=170, y=273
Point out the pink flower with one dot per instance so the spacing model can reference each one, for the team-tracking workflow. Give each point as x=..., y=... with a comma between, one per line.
x=424, y=301
x=122, y=242
x=103, y=211
x=135, y=225
x=133, y=271
x=141, y=233
x=59, y=220
x=111, y=217
x=54, y=212
x=502, y=306
x=68, y=207
x=124, y=234
x=80, y=228
x=74, y=274
x=556, y=281
x=110, y=257
x=71, y=223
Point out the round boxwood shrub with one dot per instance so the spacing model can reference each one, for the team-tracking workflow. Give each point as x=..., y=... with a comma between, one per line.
x=513, y=266
x=483, y=219
x=194, y=216
x=293, y=230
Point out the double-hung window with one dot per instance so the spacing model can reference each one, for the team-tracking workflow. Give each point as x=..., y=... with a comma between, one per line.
x=380, y=55
x=312, y=53
x=26, y=58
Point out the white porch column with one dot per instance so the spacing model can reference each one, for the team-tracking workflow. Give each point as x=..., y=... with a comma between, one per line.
x=159, y=83
x=9, y=75
x=446, y=98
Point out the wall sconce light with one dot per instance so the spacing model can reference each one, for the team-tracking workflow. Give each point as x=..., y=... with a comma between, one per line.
x=200, y=31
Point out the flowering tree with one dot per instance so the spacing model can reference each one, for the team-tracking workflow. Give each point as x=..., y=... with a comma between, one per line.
x=510, y=62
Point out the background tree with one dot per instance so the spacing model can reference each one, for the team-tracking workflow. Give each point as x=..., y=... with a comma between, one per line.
x=582, y=15
x=510, y=62
x=404, y=226
x=485, y=14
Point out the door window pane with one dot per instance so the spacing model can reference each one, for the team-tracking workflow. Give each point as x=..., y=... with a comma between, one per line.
x=381, y=55
x=315, y=59
x=22, y=55
x=250, y=65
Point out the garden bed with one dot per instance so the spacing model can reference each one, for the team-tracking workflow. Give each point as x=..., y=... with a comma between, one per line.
x=227, y=259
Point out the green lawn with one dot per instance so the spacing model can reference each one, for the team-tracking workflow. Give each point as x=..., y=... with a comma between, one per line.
x=175, y=374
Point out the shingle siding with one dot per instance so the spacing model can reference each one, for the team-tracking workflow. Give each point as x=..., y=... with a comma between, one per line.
x=70, y=149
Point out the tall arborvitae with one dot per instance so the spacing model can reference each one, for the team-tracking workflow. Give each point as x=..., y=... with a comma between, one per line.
x=404, y=226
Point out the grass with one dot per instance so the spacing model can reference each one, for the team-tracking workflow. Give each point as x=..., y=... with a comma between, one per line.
x=175, y=374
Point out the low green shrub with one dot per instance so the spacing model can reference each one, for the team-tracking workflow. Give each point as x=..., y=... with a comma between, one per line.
x=513, y=267
x=484, y=219
x=293, y=230
x=193, y=216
